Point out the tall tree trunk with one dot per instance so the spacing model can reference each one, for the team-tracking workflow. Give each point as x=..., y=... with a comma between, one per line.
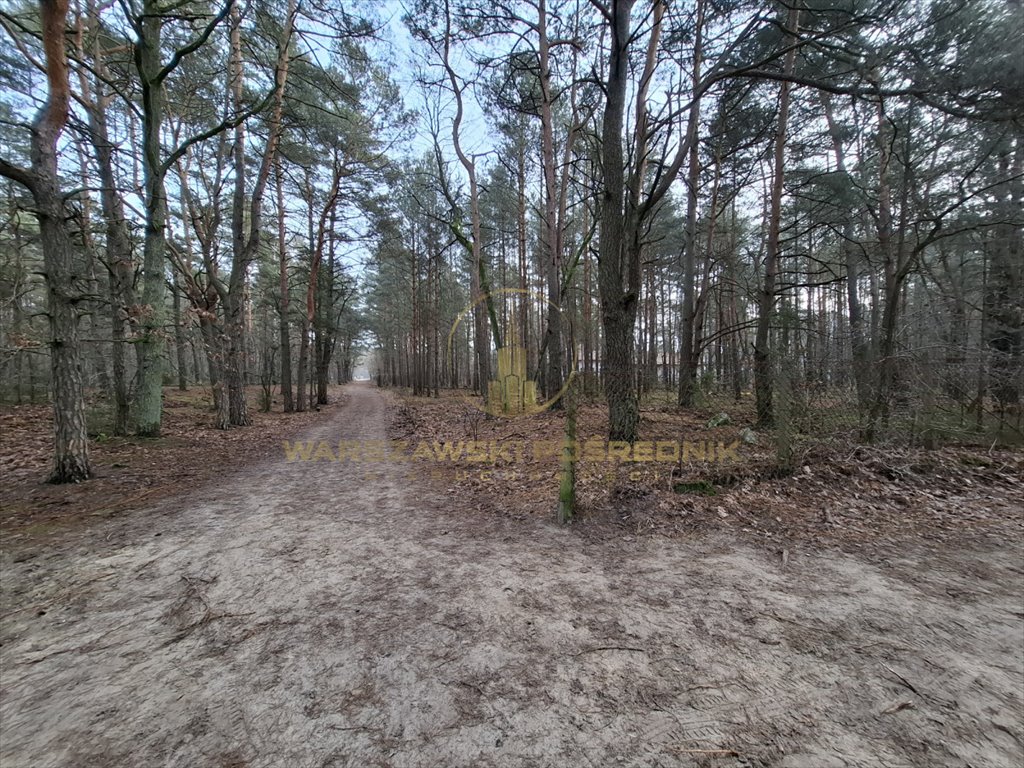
x=858, y=342
x=308, y=356
x=524, y=317
x=71, y=440
x=623, y=411
x=153, y=73
x=95, y=369
x=214, y=345
x=326, y=327
x=149, y=392
x=17, y=310
x=620, y=243
x=179, y=337
x=763, y=375
x=482, y=302
x=550, y=229
x=234, y=301
x=303, y=362
x=245, y=240
x=300, y=373
x=587, y=298
x=735, y=337
x=704, y=294
x=895, y=271
x=1004, y=322
x=687, y=356
x=284, y=328
x=117, y=248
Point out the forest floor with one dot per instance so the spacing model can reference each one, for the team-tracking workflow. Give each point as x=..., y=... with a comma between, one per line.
x=837, y=493
x=129, y=472
x=386, y=613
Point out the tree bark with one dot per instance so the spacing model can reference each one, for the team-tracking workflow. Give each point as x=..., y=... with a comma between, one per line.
x=245, y=239
x=480, y=297
x=153, y=73
x=763, y=378
x=308, y=357
x=117, y=247
x=149, y=393
x=859, y=346
x=895, y=270
x=550, y=229
x=71, y=441
x=619, y=253
x=285, y=326
x=687, y=356
x=179, y=337
x=234, y=299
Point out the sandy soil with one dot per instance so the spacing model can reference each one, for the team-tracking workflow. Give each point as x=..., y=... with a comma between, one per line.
x=318, y=614
x=130, y=473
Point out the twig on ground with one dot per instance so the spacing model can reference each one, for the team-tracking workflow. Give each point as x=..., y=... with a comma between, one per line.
x=902, y=679
x=899, y=706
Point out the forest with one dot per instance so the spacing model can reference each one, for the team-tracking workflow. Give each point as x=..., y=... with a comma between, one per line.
x=706, y=201
x=512, y=382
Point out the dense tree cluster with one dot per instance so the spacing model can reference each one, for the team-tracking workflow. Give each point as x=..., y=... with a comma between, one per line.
x=198, y=174
x=789, y=202
x=823, y=197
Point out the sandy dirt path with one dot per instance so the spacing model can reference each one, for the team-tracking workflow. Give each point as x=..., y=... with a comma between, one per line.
x=317, y=614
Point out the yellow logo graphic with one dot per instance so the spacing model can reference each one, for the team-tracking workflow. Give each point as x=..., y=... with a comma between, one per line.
x=511, y=392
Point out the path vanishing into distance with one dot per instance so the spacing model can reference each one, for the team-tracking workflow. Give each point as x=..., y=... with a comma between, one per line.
x=329, y=614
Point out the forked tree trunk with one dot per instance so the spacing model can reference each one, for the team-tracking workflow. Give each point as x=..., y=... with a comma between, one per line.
x=153, y=74
x=214, y=344
x=895, y=269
